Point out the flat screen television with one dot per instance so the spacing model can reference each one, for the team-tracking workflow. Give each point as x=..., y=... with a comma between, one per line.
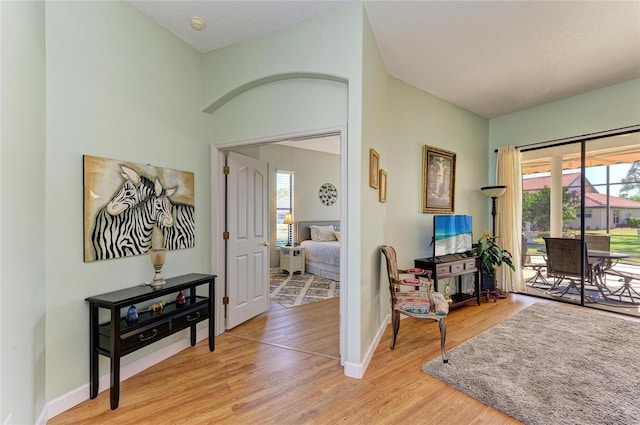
x=452, y=234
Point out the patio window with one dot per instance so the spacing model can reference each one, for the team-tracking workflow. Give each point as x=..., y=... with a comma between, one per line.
x=597, y=175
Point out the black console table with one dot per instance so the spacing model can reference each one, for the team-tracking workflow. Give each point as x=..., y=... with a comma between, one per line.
x=118, y=338
x=453, y=266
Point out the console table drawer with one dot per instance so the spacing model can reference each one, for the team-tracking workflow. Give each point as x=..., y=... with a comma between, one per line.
x=457, y=267
x=188, y=318
x=143, y=336
x=470, y=265
x=443, y=269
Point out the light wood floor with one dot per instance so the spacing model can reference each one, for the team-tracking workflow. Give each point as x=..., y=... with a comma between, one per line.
x=311, y=328
x=265, y=372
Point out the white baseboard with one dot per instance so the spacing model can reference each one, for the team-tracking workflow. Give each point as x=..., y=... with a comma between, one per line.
x=77, y=396
x=42, y=420
x=357, y=370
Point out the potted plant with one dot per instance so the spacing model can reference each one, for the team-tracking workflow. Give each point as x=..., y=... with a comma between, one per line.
x=490, y=256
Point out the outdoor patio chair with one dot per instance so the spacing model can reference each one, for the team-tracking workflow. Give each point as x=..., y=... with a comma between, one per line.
x=414, y=297
x=539, y=264
x=599, y=243
x=564, y=261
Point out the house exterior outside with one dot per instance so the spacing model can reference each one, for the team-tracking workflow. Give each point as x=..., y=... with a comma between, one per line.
x=620, y=209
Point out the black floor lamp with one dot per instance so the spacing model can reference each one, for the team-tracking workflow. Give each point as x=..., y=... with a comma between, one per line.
x=493, y=192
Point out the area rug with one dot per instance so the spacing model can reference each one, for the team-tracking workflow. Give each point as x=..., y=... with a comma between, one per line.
x=291, y=290
x=551, y=364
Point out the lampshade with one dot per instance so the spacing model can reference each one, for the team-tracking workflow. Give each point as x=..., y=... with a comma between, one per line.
x=493, y=191
x=288, y=219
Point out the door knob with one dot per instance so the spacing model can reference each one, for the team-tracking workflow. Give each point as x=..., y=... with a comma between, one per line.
x=265, y=243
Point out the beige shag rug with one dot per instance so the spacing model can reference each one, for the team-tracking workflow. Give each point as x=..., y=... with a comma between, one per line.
x=291, y=290
x=552, y=364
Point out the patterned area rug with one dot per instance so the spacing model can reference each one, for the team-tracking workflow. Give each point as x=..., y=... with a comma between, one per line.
x=551, y=364
x=297, y=289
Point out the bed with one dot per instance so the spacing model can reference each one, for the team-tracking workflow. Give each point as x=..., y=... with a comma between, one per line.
x=322, y=258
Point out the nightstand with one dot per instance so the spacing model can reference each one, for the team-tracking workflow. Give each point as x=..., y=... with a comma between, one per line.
x=292, y=259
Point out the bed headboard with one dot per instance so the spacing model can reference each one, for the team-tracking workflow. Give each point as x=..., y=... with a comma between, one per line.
x=303, y=232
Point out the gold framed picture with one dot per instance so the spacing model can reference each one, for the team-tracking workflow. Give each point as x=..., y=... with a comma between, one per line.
x=374, y=168
x=438, y=180
x=382, y=192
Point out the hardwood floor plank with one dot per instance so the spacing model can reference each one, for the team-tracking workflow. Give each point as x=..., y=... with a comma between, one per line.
x=252, y=378
x=310, y=327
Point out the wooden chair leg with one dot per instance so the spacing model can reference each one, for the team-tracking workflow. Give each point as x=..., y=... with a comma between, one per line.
x=443, y=336
x=395, y=327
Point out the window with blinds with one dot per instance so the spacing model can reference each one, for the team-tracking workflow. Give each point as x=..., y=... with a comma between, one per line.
x=284, y=205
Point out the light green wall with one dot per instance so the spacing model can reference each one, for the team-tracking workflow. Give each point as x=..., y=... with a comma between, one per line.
x=22, y=212
x=609, y=108
x=398, y=120
x=373, y=305
x=280, y=107
x=329, y=48
x=121, y=87
x=416, y=119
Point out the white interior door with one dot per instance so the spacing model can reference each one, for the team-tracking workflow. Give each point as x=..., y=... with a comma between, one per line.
x=248, y=243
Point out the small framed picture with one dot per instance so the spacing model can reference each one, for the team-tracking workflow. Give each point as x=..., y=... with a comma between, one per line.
x=438, y=180
x=374, y=168
x=382, y=192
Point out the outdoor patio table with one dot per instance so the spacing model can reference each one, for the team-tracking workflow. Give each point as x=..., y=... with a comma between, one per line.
x=606, y=255
x=606, y=259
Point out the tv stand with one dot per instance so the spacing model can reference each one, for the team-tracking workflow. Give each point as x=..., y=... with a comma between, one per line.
x=453, y=266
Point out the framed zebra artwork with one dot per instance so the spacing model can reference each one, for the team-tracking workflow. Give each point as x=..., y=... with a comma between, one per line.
x=124, y=201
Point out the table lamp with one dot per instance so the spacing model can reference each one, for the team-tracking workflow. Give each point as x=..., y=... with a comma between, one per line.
x=288, y=220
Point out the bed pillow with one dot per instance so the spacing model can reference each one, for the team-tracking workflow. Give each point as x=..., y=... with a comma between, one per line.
x=322, y=233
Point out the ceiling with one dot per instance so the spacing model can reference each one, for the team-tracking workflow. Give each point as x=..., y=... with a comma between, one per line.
x=489, y=57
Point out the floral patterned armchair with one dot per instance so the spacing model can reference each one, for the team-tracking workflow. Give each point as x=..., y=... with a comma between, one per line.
x=414, y=297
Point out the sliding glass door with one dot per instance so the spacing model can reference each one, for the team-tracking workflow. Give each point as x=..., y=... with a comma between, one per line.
x=581, y=222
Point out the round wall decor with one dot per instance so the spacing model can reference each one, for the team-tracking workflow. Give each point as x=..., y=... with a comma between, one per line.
x=328, y=194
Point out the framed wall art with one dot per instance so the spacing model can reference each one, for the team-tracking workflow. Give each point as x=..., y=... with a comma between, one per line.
x=438, y=180
x=125, y=201
x=382, y=192
x=374, y=168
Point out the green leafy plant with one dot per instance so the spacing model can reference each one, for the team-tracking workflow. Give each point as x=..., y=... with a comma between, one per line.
x=491, y=256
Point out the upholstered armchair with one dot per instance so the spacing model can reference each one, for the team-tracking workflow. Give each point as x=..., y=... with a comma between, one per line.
x=414, y=297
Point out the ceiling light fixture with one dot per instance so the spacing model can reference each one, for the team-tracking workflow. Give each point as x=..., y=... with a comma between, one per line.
x=197, y=23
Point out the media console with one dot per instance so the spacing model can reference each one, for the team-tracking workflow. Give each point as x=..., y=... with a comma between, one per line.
x=455, y=265
x=118, y=337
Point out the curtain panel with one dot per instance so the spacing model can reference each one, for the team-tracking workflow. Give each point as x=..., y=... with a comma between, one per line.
x=509, y=217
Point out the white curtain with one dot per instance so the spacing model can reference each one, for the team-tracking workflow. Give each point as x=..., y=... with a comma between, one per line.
x=509, y=216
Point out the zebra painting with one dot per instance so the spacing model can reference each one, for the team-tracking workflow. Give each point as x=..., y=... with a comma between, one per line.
x=125, y=192
x=129, y=232
x=134, y=190
x=182, y=233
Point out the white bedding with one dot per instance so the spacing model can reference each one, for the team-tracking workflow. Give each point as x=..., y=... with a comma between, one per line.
x=322, y=258
x=322, y=252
